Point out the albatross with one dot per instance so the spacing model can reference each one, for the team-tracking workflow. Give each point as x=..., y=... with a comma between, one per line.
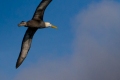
x=33, y=25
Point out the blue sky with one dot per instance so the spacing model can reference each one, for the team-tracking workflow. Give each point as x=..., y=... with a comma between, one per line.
x=85, y=46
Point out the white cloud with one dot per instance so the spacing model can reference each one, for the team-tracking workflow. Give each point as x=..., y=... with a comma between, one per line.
x=96, y=49
x=98, y=42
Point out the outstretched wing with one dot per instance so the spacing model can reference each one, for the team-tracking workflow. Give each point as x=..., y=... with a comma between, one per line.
x=38, y=15
x=26, y=43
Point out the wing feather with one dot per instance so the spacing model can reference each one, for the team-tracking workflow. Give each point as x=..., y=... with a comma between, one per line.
x=26, y=44
x=38, y=15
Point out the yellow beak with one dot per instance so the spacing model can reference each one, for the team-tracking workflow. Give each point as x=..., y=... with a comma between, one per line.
x=54, y=26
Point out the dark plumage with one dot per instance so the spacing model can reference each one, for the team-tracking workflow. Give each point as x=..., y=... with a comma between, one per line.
x=33, y=25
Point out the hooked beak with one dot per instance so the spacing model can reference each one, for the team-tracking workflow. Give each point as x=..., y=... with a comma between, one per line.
x=55, y=27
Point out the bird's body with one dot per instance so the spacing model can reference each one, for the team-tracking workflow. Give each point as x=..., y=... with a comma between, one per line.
x=33, y=25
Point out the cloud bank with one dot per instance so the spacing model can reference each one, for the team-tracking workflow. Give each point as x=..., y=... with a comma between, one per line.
x=97, y=43
x=96, y=53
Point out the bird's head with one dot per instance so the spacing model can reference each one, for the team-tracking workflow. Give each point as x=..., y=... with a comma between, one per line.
x=47, y=24
x=23, y=23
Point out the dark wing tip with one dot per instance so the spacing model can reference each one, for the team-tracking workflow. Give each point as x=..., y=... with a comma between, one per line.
x=18, y=63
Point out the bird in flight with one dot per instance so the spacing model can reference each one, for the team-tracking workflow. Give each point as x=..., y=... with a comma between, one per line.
x=33, y=25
